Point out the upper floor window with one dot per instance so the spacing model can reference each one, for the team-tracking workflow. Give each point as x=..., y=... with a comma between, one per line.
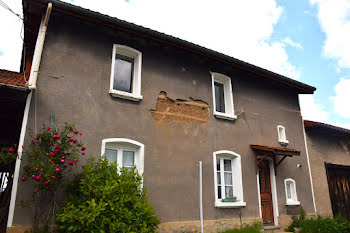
x=126, y=152
x=126, y=73
x=282, y=139
x=228, y=179
x=291, y=192
x=222, y=96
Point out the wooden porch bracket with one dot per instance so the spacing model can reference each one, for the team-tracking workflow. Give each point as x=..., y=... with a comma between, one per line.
x=272, y=151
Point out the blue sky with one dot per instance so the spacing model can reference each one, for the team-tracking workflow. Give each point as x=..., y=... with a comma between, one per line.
x=307, y=40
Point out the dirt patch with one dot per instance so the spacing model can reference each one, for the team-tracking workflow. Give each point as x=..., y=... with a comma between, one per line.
x=168, y=110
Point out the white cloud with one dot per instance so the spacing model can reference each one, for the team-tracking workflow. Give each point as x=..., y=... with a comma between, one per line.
x=334, y=18
x=311, y=110
x=290, y=42
x=342, y=98
x=10, y=40
x=234, y=28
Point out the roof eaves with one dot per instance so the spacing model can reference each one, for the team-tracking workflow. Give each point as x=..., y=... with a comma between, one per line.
x=159, y=36
x=315, y=124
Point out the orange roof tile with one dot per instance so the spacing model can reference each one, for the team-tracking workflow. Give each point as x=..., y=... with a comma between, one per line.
x=11, y=78
x=276, y=150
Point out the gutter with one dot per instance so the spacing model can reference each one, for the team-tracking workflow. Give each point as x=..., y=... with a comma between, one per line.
x=39, y=48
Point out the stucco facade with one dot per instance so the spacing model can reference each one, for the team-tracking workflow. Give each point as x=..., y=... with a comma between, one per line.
x=325, y=145
x=73, y=84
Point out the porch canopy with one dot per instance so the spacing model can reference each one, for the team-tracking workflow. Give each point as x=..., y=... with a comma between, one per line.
x=278, y=154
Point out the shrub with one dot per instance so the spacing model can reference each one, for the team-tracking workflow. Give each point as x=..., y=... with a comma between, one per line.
x=325, y=225
x=297, y=220
x=105, y=199
x=253, y=228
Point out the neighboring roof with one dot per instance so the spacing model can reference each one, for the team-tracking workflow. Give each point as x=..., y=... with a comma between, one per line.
x=108, y=21
x=276, y=150
x=319, y=125
x=12, y=79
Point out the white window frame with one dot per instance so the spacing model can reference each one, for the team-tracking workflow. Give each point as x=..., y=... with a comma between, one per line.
x=126, y=144
x=136, y=55
x=282, y=138
x=229, y=107
x=293, y=189
x=236, y=179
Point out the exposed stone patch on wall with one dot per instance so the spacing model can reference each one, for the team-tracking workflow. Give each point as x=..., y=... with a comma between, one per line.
x=168, y=110
x=346, y=146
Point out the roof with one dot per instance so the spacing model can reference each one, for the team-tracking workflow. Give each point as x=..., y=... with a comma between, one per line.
x=319, y=125
x=108, y=21
x=12, y=79
x=276, y=150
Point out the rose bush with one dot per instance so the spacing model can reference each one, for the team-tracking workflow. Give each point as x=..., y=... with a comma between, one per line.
x=8, y=155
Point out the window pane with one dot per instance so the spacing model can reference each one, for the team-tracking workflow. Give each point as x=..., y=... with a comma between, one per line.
x=227, y=165
x=219, y=97
x=123, y=71
x=228, y=178
x=218, y=175
x=128, y=158
x=218, y=164
x=289, y=193
x=228, y=191
x=266, y=181
x=111, y=155
x=219, y=192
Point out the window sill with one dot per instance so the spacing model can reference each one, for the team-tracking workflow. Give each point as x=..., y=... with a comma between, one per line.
x=225, y=116
x=284, y=142
x=125, y=95
x=292, y=203
x=240, y=204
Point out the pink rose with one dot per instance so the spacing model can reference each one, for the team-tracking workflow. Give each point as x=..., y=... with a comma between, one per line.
x=83, y=148
x=54, y=177
x=52, y=161
x=33, y=177
x=64, y=165
x=28, y=170
x=70, y=163
x=37, y=136
x=52, y=154
x=75, y=140
x=41, y=175
x=63, y=157
x=56, y=137
x=62, y=160
x=23, y=178
x=38, y=178
x=16, y=154
x=81, y=134
x=83, y=153
x=22, y=146
x=76, y=132
x=11, y=150
x=32, y=141
x=57, y=147
x=46, y=182
x=75, y=160
x=57, y=170
x=37, y=169
x=48, y=128
x=71, y=139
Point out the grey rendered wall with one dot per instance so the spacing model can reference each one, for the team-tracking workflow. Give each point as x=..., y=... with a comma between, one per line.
x=73, y=84
x=323, y=148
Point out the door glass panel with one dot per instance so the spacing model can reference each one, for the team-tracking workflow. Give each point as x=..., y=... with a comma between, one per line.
x=128, y=158
x=218, y=175
x=266, y=181
x=260, y=184
x=228, y=191
x=228, y=178
x=227, y=165
x=123, y=71
x=219, y=192
x=111, y=155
